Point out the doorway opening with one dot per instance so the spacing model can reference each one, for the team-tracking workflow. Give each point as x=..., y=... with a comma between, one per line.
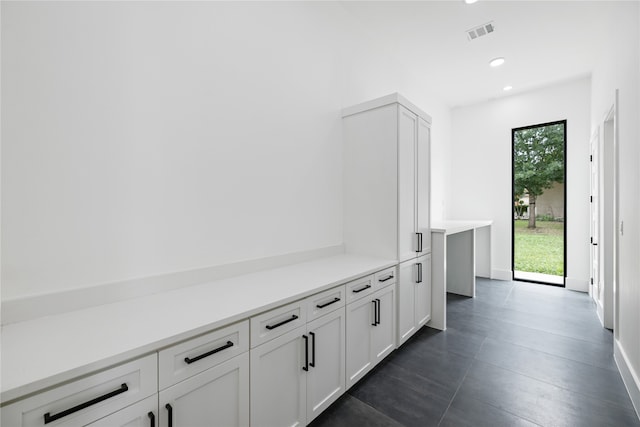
x=539, y=203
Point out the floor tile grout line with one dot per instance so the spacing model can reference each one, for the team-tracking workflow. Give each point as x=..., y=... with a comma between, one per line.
x=606, y=402
x=444, y=414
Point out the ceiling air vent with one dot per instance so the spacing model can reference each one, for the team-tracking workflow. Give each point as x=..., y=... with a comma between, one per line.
x=480, y=31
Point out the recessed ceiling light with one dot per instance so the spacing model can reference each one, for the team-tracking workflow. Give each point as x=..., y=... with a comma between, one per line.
x=496, y=62
x=507, y=88
x=470, y=1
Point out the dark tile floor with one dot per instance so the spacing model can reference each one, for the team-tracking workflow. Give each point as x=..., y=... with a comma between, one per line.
x=519, y=354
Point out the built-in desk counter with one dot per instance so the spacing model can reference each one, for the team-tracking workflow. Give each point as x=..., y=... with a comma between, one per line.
x=461, y=250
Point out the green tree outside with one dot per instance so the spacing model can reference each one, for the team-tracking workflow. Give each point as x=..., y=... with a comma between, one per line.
x=538, y=162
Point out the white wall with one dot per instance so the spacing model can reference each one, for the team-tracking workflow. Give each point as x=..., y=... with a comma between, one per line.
x=480, y=179
x=145, y=138
x=619, y=68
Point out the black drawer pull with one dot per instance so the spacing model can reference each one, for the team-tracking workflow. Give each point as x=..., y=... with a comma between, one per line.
x=209, y=353
x=313, y=349
x=377, y=311
x=335, y=300
x=389, y=277
x=152, y=419
x=306, y=353
x=50, y=418
x=170, y=415
x=291, y=319
x=355, y=291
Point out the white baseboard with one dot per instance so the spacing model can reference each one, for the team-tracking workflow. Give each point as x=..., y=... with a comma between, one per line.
x=629, y=375
x=22, y=309
x=580, y=285
x=501, y=274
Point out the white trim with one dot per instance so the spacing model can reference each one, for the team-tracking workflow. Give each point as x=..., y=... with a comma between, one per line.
x=501, y=274
x=394, y=98
x=31, y=307
x=580, y=285
x=629, y=375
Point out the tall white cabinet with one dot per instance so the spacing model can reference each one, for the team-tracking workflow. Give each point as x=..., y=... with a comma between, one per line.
x=387, y=145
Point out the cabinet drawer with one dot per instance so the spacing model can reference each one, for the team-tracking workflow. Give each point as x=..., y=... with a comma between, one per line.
x=276, y=322
x=141, y=414
x=184, y=360
x=359, y=288
x=385, y=278
x=325, y=302
x=88, y=399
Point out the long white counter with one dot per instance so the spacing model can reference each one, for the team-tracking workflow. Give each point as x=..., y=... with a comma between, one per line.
x=460, y=251
x=45, y=351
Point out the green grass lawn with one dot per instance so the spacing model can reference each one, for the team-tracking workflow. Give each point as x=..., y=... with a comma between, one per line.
x=539, y=250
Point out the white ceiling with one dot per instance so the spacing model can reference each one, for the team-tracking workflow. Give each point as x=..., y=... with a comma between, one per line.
x=543, y=42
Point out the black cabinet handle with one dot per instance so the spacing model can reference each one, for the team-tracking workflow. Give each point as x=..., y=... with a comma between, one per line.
x=313, y=350
x=355, y=291
x=152, y=419
x=419, y=242
x=291, y=319
x=389, y=277
x=209, y=353
x=419, y=280
x=378, y=311
x=170, y=414
x=50, y=418
x=335, y=300
x=306, y=353
x=375, y=313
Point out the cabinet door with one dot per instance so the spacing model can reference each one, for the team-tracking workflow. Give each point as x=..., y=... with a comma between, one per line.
x=407, y=130
x=360, y=317
x=423, y=153
x=383, y=335
x=141, y=414
x=407, y=275
x=326, y=375
x=217, y=396
x=278, y=381
x=423, y=292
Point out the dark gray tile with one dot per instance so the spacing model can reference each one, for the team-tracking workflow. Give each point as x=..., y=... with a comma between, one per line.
x=452, y=340
x=596, y=354
x=599, y=383
x=466, y=411
x=349, y=411
x=538, y=401
x=403, y=395
x=444, y=368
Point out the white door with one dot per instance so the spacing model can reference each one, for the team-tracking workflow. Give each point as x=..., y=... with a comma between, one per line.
x=407, y=276
x=423, y=291
x=217, y=396
x=595, y=215
x=383, y=334
x=407, y=135
x=326, y=375
x=141, y=414
x=423, y=185
x=278, y=381
x=360, y=318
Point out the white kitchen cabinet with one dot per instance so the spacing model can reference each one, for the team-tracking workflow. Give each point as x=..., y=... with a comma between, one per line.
x=371, y=332
x=216, y=396
x=297, y=375
x=326, y=374
x=141, y=414
x=386, y=179
x=87, y=399
x=205, y=380
x=414, y=296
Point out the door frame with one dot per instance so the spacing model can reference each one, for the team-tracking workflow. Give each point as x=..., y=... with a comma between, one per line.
x=513, y=231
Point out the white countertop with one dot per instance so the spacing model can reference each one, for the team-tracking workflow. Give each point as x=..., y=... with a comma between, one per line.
x=45, y=351
x=457, y=226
